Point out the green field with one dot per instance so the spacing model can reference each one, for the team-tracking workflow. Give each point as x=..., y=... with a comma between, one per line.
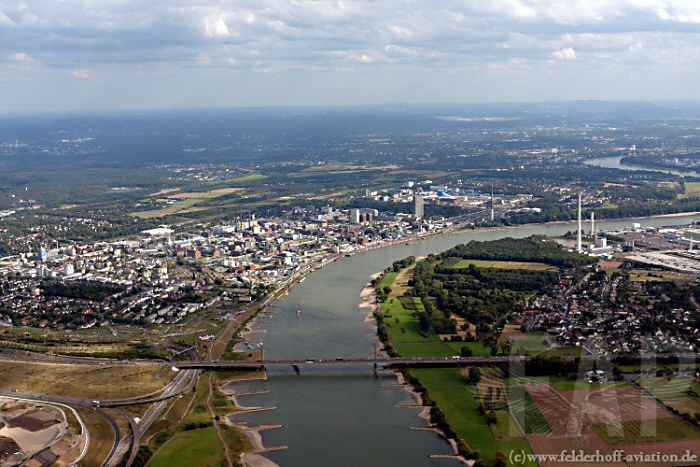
x=562, y=383
x=645, y=431
x=465, y=263
x=242, y=179
x=200, y=447
x=457, y=399
x=691, y=189
x=407, y=329
x=526, y=411
x=388, y=279
x=674, y=392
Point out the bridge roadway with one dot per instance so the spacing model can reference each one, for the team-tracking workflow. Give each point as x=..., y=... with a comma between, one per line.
x=400, y=361
x=212, y=364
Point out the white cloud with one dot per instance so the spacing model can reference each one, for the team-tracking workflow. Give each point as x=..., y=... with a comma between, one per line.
x=216, y=27
x=565, y=54
x=181, y=38
x=82, y=74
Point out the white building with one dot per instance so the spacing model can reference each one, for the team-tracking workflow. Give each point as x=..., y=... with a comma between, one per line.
x=355, y=216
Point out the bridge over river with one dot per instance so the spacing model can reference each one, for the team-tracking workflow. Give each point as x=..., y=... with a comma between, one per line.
x=379, y=361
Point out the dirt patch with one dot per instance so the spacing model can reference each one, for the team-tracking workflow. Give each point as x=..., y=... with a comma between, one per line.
x=36, y=421
x=204, y=194
x=608, y=404
x=512, y=332
x=164, y=191
x=7, y=446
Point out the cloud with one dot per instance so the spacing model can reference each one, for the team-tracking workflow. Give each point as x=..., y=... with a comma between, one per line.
x=565, y=54
x=177, y=39
x=75, y=32
x=216, y=27
x=82, y=74
x=21, y=57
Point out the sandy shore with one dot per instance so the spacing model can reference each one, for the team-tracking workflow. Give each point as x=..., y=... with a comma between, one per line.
x=676, y=214
x=252, y=458
x=369, y=300
x=425, y=415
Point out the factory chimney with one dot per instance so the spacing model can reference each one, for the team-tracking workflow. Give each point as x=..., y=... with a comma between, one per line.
x=579, y=246
x=492, y=212
x=594, y=232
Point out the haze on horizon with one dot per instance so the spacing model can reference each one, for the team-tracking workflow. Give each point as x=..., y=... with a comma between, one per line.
x=83, y=54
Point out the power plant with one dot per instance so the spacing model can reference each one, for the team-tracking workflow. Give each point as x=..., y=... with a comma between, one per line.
x=579, y=245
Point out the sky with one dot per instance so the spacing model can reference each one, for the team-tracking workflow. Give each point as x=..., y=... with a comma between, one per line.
x=122, y=54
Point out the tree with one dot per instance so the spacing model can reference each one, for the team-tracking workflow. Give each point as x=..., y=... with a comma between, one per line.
x=466, y=352
x=474, y=375
x=491, y=418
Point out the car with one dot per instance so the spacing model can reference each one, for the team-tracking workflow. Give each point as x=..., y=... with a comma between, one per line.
x=338, y=359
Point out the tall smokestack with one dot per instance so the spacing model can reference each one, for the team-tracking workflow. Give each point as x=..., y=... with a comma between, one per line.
x=579, y=246
x=492, y=212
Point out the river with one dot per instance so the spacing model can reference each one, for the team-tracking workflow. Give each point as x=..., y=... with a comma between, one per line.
x=614, y=162
x=347, y=416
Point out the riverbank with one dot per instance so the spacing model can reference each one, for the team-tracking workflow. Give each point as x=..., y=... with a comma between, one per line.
x=252, y=458
x=369, y=296
x=425, y=415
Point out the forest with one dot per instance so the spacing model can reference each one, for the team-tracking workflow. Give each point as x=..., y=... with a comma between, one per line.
x=482, y=295
x=79, y=290
x=535, y=248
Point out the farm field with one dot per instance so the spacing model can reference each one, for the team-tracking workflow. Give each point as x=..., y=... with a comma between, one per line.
x=674, y=392
x=465, y=263
x=526, y=412
x=561, y=383
x=608, y=416
x=645, y=431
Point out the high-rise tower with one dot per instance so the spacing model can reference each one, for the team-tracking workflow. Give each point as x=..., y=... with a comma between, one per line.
x=418, y=205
